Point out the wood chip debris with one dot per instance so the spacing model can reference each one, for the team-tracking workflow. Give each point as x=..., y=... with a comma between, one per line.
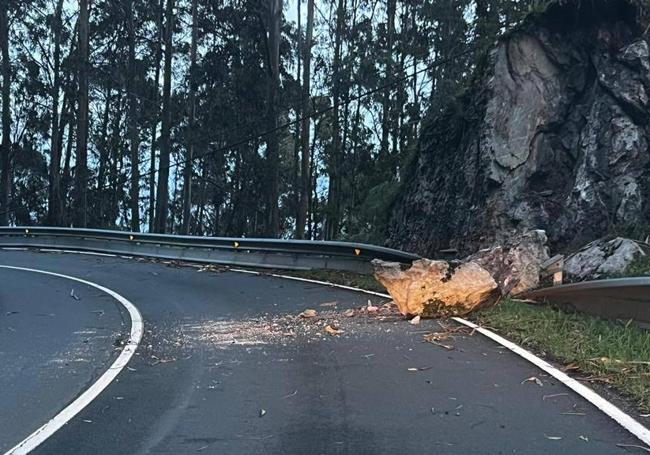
x=332, y=330
x=309, y=313
x=533, y=379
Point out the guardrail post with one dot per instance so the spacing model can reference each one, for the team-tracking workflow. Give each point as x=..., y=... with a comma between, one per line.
x=554, y=266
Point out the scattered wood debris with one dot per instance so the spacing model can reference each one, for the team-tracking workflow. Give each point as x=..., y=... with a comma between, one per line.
x=533, y=379
x=309, y=313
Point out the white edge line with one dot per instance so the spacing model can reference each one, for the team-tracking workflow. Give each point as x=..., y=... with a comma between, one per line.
x=623, y=419
x=55, y=423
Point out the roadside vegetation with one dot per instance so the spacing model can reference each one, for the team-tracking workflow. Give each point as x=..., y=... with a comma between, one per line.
x=610, y=353
x=614, y=353
x=639, y=267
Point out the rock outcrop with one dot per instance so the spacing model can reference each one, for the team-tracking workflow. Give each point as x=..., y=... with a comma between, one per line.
x=603, y=257
x=437, y=288
x=516, y=265
x=553, y=134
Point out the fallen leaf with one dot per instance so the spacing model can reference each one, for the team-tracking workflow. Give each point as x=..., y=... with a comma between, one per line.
x=333, y=330
x=309, y=313
x=294, y=393
x=73, y=295
x=534, y=379
x=262, y=412
x=415, y=320
x=348, y=313
x=584, y=438
x=329, y=304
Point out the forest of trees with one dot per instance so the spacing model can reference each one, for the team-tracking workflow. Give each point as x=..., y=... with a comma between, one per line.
x=289, y=118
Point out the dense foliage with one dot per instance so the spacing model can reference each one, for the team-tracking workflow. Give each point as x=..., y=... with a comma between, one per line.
x=237, y=117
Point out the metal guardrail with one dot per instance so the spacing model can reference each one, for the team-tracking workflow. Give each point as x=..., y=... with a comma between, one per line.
x=618, y=298
x=253, y=252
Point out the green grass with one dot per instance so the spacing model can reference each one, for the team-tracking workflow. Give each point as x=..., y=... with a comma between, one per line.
x=608, y=351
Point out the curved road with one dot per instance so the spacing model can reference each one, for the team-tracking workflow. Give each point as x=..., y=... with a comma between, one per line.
x=192, y=387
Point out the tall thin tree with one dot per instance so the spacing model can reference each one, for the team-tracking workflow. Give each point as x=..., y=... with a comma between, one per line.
x=55, y=204
x=162, y=199
x=274, y=19
x=189, y=163
x=332, y=223
x=5, y=149
x=80, y=218
x=156, y=115
x=134, y=133
x=305, y=183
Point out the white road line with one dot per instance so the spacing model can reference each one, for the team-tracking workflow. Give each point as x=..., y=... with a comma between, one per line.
x=623, y=419
x=48, y=429
x=307, y=280
x=626, y=421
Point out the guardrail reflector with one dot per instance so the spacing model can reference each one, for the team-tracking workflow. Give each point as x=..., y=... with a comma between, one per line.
x=26, y=231
x=357, y=251
x=236, y=244
x=130, y=237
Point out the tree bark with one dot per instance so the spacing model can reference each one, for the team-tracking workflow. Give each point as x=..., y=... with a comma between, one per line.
x=134, y=133
x=5, y=150
x=305, y=180
x=80, y=218
x=162, y=200
x=187, y=174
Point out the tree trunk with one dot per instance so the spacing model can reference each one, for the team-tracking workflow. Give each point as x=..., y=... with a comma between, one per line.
x=5, y=149
x=112, y=212
x=272, y=145
x=334, y=189
x=386, y=104
x=81, y=167
x=134, y=134
x=54, y=206
x=154, y=126
x=104, y=155
x=187, y=174
x=305, y=180
x=162, y=201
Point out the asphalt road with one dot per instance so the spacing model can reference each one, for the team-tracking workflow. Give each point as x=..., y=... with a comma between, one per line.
x=193, y=387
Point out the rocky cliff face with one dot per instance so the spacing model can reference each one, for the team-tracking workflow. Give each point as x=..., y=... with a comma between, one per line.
x=552, y=135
